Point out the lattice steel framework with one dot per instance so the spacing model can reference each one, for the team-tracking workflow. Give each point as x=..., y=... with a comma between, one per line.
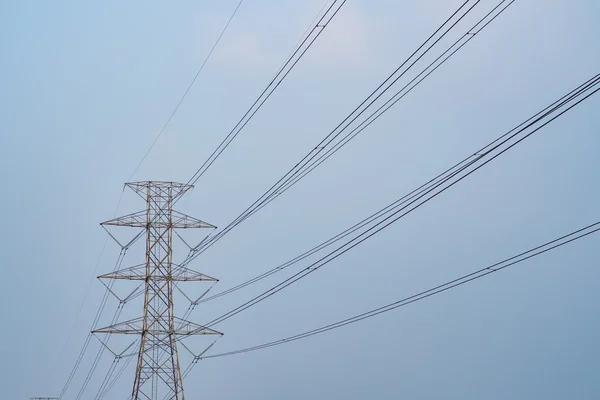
x=158, y=371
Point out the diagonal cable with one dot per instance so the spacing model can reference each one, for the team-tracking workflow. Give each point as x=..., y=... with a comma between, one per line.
x=187, y=90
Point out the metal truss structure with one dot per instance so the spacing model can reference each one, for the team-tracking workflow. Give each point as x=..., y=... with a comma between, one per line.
x=158, y=373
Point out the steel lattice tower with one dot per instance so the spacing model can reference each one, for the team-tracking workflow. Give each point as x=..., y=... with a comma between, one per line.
x=158, y=371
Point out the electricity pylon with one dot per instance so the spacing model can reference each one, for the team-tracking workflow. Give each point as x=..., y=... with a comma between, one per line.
x=158, y=371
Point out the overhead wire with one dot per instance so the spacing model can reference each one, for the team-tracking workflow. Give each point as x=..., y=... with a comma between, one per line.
x=514, y=260
x=104, y=386
x=106, y=382
x=89, y=336
x=160, y=133
x=107, y=377
x=99, y=354
x=584, y=89
x=336, y=238
x=344, y=233
x=203, y=168
x=399, y=95
x=124, y=366
x=315, y=158
x=109, y=381
x=97, y=317
x=490, y=153
x=117, y=376
x=87, y=291
x=301, y=49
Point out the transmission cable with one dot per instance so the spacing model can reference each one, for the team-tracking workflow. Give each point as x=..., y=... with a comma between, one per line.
x=500, y=146
x=281, y=74
x=455, y=47
x=365, y=222
x=89, y=336
x=188, y=88
x=119, y=373
x=107, y=377
x=314, y=158
x=98, y=315
x=98, y=355
x=536, y=251
x=351, y=229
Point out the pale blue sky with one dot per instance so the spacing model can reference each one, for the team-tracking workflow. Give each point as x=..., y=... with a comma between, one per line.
x=86, y=86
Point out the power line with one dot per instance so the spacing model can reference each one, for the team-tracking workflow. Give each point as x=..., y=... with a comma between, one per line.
x=89, y=336
x=110, y=383
x=87, y=291
x=188, y=88
x=346, y=232
x=312, y=165
x=491, y=152
x=536, y=251
x=321, y=151
x=97, y=317
x=399, y=95
x=107, y=377
x=365, y=222
x=99, y=354
x=281, y=74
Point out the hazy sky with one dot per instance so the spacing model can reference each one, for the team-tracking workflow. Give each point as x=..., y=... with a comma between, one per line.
x=86, y=86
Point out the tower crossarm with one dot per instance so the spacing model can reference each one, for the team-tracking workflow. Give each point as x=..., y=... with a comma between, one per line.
x=136, y=326
x=139, y=219
x=138, y=273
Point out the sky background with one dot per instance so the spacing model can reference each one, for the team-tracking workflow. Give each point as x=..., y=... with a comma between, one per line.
x=86, y=87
